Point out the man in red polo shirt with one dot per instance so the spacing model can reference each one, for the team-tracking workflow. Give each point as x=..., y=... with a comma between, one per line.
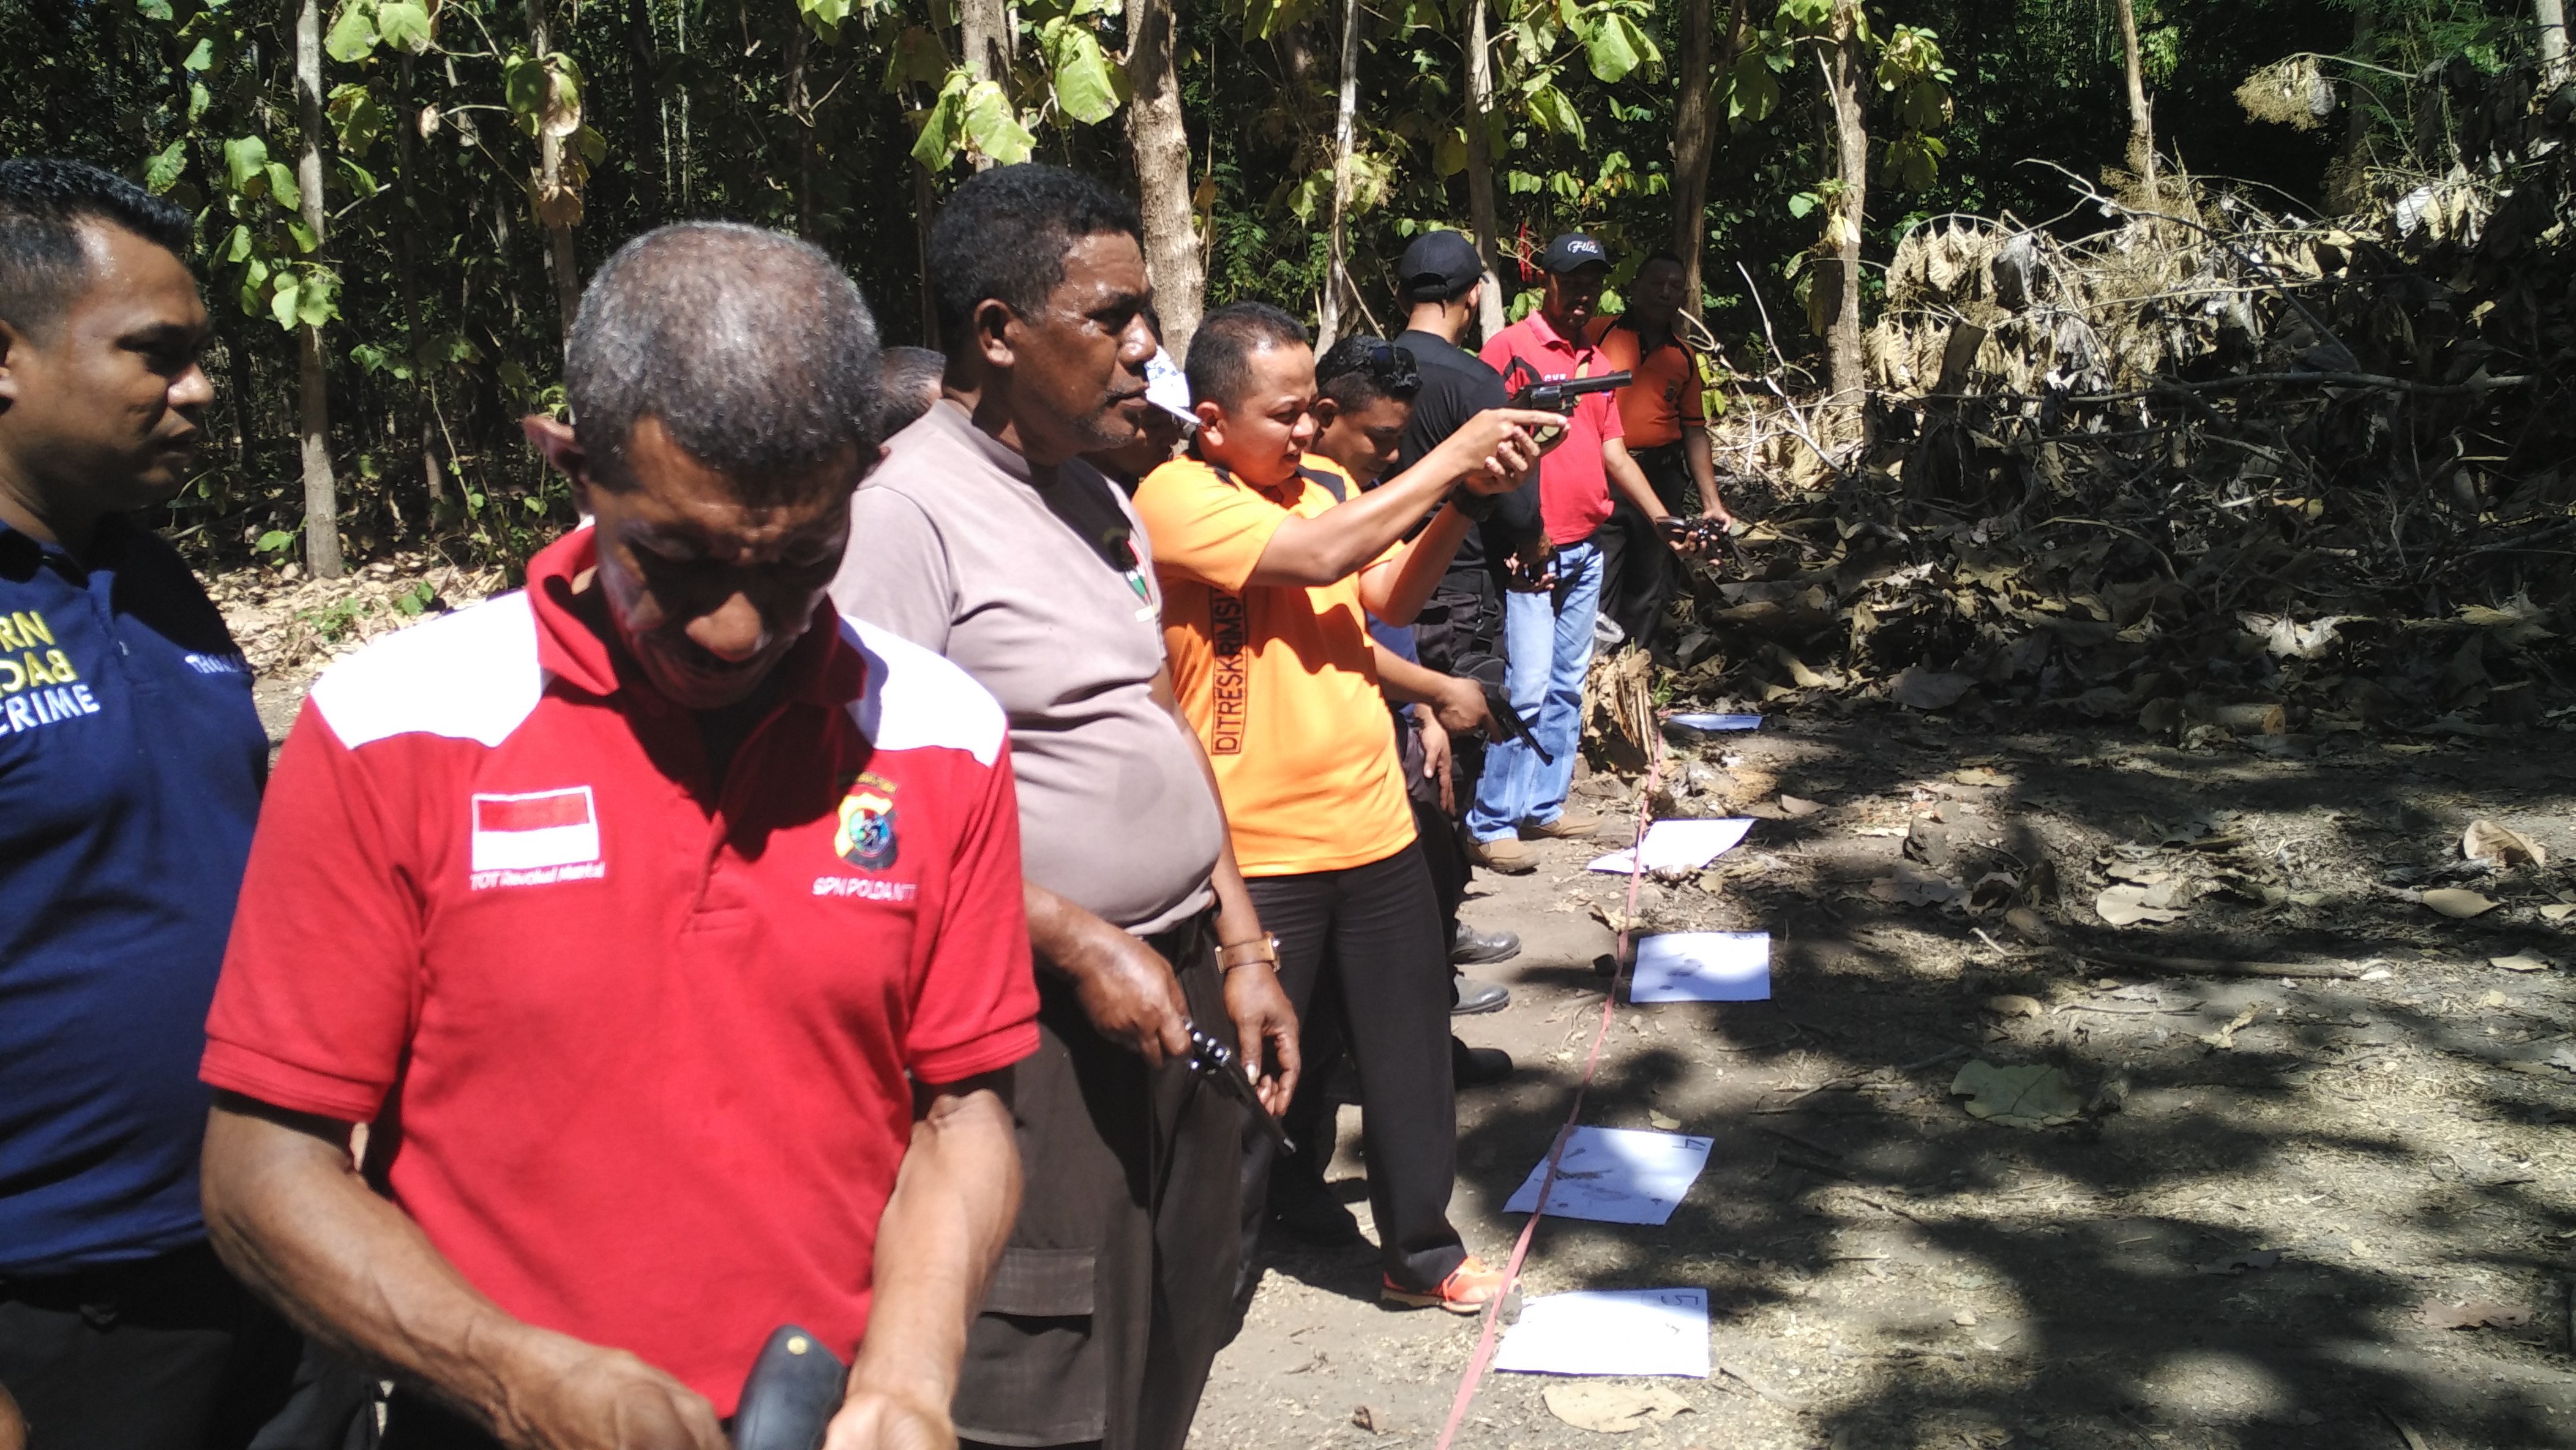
x=1547, y=634
x=665, y=927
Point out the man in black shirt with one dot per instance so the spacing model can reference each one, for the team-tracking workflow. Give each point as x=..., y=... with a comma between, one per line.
x=1460, y=631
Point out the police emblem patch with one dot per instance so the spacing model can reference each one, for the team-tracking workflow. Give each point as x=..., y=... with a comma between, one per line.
x=865, y=837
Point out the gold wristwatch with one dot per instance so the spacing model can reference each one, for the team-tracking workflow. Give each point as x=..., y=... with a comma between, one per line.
x=1264, y=949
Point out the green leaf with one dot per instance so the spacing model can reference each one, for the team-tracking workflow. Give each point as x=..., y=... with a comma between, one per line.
x=523, y=89
x=825, y=17
x=353, y=35
x=162, y=171
x=1449, y=153
x=356, y=118
x=358, y=180
x=1550, y=108
x=1615, y=47
x=200, y=57
x=254, y=285
x=1752, y=92
x=281, y=303
x=305, y=241
x=246, y=158
x=198, y=101
x=942, y=126
x=317, y=302
x=237, y=246
x=154, y=10
x=993, y=127
x=1079, y=71
x=592, y=146
x=275, y=541
x=917, y=58
x=1801, y=205
x=282, y=188
x=404, y=25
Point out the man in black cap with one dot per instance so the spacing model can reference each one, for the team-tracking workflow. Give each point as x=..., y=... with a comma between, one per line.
x=1460, y=632
x=1547, y=635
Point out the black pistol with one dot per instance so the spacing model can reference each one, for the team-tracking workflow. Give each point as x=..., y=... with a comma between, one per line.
x=791, y=1394
x=1510, y=723
x=1561, y=395
x=1214, y=1061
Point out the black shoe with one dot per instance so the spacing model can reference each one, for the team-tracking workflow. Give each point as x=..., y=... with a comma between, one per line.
x=1470, y=997
x=1477, y=1066
x=1468, y=947
x=1303, y=1208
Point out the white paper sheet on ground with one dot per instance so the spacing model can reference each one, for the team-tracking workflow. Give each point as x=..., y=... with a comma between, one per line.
x=1617, y=1175
x=1611, y=1331
x=1703, y=966
x=1682, y=845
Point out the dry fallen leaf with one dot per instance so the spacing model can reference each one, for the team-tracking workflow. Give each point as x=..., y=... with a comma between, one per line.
x=2519, y=962
x=1665, y=1121
x=2127, y=905
x=2505, y=847
x=1979, y=775
x=2031, y=1096
x=1794, y=806
x=1613, y=1409
x=2013, y=1004
x=2030, y=924
x=1366, y=1419
x=1924, y=689
x=2475, y=1314
x=2453, y=901
x=2225, y=1037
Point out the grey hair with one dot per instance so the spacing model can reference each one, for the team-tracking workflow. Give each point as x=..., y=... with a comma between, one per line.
x=753, y=348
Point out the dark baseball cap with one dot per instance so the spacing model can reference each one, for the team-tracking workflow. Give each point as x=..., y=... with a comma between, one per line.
x=1437, y=265
x=1573, y=252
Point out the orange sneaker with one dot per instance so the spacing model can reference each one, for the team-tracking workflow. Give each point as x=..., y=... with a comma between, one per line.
x=1468, y=1289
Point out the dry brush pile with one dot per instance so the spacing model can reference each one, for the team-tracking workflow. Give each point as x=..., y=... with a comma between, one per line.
x=2211, y=468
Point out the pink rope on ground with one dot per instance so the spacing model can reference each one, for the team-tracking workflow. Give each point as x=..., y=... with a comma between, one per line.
x=1484, y=1354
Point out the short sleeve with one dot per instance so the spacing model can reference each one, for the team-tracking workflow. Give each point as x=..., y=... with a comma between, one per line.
x=1605, y=415
x=1694, y=385
x=320, y=982
x=975, y=1008
x=1204, y=527
x=896, y=572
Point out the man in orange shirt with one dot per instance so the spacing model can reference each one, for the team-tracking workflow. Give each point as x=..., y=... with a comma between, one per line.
x=1268, y=582
x=1667, y=433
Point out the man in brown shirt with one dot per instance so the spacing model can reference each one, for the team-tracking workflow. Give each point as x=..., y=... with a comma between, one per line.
x=986, y=537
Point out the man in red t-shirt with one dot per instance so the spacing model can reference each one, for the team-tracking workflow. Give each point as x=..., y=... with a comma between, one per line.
x=1547, y=633
x=655, y=919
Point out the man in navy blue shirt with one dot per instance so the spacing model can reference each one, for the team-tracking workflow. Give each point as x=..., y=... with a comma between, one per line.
x=130, y=769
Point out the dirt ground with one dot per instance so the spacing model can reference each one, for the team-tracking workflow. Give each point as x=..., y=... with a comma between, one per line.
x=2279, y=1188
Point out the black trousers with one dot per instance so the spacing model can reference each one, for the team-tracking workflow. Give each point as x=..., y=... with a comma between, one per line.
x=1362, y=959
x=1112, y=1297
x=168, y=1353
x=1638, y=572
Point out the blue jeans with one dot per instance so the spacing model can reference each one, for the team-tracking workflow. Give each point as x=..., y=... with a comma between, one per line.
x=1547, y=652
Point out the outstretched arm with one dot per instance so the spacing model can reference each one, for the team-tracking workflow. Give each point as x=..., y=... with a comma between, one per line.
x=954, y=1200
x=1490, y=453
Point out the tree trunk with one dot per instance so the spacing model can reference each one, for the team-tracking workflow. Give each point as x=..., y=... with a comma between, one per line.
x=1160, y=142
x=2344, y=186
x=1480, y=166
x=1337, y=277
x=1695, y=136
x=2552, y=15
x=924, y=201
x=641, y=131
x=557, y=208
x=985, y=27
x=800, y=110
x=321, y=490
x=407, y=282
x=2142, y=128
x=1847, y=74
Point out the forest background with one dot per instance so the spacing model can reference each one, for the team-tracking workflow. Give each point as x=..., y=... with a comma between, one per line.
x=398, y=199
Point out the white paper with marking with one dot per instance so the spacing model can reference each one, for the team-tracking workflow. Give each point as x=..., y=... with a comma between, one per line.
x=1681, y=845
x=1694, y=720
x=1703, y=966
x=1611, y=1331
x=1617, y=1175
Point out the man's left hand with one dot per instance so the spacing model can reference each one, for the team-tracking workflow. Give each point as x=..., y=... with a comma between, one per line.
x=874, y=1420
x=1261, y=1014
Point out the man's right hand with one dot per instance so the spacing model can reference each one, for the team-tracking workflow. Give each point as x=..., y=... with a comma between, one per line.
x=1494, y=451
x=580, y=1396
x=1126, y=988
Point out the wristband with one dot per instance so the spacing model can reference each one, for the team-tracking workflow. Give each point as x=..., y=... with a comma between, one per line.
x=1263, y=949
